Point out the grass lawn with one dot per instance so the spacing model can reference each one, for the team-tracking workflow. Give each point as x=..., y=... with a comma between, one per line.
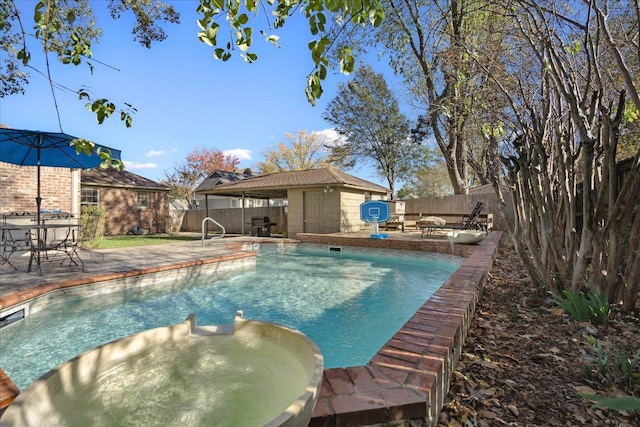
x=113, y=242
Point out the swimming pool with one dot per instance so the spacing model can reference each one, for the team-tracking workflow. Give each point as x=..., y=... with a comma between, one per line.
x=350, y=303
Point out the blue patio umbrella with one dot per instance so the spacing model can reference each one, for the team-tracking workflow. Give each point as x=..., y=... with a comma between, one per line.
x=36, y=148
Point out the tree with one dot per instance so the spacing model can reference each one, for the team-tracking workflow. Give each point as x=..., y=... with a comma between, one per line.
x=429, y=179
x=304, y=151
x=436, y=46
x=199, y=164
x=367, y=114
x=577, y=221
x=68, y=28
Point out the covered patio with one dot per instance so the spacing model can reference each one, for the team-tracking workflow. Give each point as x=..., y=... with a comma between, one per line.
x=320, y=201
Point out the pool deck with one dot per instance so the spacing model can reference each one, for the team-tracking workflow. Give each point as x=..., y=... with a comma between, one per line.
x=404, y=384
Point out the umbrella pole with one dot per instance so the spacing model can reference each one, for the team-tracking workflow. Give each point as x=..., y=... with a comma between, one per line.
x=38, y=204
x=38, y=198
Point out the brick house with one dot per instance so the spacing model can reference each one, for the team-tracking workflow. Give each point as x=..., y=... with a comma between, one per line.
x=132, y=203
x=59, y=188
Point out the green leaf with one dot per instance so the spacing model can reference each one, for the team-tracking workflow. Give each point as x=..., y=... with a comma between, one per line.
x=620, y=403
x=202, y=36
x=24, y=55
x=273, y=39
x=218, y=53
x=250, y=57
x=242, y=19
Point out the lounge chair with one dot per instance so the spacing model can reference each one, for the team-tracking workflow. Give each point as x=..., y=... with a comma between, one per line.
x=472, y=222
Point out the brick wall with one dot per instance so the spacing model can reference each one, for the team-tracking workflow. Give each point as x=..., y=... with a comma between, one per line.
x=18, y=188
x=122, y=213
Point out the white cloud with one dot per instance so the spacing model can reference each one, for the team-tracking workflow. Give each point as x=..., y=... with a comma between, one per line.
x=155, y=153
x=333, y=138
x=135, y=165
x=240, y=153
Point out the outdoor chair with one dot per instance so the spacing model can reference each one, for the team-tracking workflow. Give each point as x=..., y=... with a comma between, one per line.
x=59, y=235
x=13, y=240
x=471, y=223
x=15, y=235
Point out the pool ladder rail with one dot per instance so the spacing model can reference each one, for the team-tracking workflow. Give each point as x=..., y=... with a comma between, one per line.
x=217, y=236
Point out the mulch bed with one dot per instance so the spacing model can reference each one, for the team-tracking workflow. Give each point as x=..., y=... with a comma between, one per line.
x=523, y=361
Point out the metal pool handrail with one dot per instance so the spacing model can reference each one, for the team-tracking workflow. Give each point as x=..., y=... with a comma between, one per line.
x=216, y=223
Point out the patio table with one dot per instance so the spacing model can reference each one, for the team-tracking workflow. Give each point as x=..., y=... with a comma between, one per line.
x=40, y=239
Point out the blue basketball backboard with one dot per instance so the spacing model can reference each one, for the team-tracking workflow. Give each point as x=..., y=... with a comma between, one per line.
x=374, y=211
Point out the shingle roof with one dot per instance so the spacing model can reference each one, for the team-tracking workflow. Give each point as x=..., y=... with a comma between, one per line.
x=111, y=177
x=219, y=177
x=279, y=182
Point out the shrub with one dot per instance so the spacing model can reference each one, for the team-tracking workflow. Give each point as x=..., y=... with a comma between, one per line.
x=92, y=223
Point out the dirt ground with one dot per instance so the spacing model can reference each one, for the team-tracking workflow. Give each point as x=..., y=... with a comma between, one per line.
x=524, y=360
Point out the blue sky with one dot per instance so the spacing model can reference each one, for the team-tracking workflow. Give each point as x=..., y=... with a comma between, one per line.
x=185, y=98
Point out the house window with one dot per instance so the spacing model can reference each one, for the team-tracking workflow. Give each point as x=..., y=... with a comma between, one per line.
x=142, y=201
x=89, y=196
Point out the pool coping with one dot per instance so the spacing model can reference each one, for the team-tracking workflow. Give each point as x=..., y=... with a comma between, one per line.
x=407, y=380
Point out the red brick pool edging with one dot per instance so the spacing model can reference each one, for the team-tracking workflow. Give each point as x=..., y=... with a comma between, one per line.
x=406, y=382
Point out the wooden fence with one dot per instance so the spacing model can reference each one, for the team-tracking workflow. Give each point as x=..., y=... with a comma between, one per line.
x=459, y=204
x=229, y=218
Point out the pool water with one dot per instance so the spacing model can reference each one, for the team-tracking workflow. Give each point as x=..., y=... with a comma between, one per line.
x=349, y=303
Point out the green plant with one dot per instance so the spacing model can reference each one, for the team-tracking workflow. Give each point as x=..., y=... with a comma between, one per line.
x=575, y=304
x=612, y=364
x=593, y=307
x=615, y=368
x=619, y=403
x=92, y=217
x=602, y=357
x=625, y=365
x=586, y=372
x=600, y=308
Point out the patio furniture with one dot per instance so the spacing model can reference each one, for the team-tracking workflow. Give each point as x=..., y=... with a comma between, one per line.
x=471, y=223
x=261, y=226
x=57, y=236
x=395, y=221
x=15, y=236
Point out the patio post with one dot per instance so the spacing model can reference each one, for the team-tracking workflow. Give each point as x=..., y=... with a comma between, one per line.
x=243, y=213
x=206, y=214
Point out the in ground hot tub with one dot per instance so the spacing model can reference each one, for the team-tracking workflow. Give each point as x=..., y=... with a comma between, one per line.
x=250, y=373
